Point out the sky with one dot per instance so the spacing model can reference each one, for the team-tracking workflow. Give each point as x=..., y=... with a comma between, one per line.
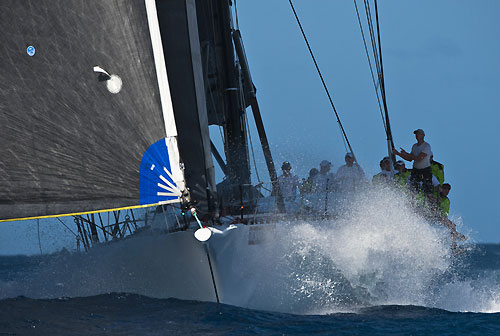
x=442, y=74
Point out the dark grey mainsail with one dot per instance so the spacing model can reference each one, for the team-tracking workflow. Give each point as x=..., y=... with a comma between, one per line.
x=72, y=139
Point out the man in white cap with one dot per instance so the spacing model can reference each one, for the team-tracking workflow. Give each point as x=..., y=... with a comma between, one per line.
x=289, y=183
x=350, y=177
x=324, y=180
x=421, y=175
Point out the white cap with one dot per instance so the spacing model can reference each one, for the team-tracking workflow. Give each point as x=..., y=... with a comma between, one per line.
x=325, y=163
x=400, y=162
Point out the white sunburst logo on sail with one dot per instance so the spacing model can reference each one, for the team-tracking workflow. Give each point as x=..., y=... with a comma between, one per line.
x=171, y=189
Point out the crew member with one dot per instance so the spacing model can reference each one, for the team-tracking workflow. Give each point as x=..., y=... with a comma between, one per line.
x=402, y=176
x=421, y=157
x=324, y=180
x=442, y=201
x=386, y=173
x=350, y=176
x=289, y=183
x=442, y=208
x=308, y=184
x=437, y=170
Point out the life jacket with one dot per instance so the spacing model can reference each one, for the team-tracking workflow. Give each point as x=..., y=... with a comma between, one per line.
x=379, y=178
x=422, y=200
x=443, y=204
x=382, y=178
x=438, y=171
x=401, y=179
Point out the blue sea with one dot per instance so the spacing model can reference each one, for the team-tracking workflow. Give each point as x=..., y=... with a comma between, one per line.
x=462, y=300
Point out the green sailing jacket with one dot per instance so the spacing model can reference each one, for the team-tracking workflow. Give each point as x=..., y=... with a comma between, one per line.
x=402, y=178
x=380, y=179
x=438, y=171
x=443, y=203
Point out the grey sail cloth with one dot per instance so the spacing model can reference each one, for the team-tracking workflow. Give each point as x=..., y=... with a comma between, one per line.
x=67, y=143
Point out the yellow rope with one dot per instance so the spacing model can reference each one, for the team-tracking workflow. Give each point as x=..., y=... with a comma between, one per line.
x=80, y=213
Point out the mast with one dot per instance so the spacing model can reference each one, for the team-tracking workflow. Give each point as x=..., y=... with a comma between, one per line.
x=238, y=43
x=183, y=56
x=235, y=146
x=229, y=92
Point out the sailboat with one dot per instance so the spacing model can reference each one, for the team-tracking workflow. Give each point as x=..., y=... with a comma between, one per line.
x=105, y=108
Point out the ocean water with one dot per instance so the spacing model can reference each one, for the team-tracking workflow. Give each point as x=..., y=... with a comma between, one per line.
x=474, y=285
x=464, y=301
x=130, y=314
x=381, y=269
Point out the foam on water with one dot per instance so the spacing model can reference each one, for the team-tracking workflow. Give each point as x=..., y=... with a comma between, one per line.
x=383, y=253
x=382, y=246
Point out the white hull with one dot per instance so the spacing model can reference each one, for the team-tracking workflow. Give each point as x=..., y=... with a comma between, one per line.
x=175, y=265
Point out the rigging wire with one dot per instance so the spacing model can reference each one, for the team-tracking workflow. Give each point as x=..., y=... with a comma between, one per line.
x=251, y=149
x=377, y=56
x=370, y=65
x=345, y=139
x=382, y=85
x=74, y=234
x=242, y=103
x=236, y=15
x=372, y=38
x=260, y=182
